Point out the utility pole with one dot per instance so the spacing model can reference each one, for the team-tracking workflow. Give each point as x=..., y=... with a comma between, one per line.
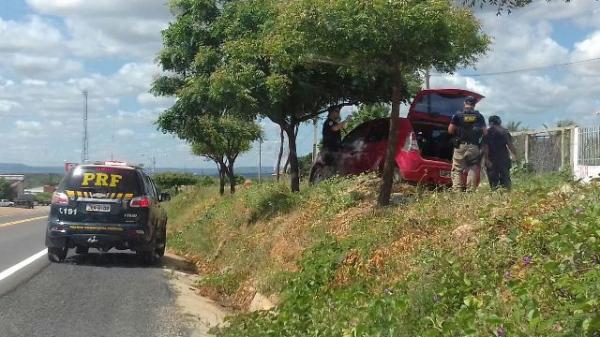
x=84, y=147
x=427, y=77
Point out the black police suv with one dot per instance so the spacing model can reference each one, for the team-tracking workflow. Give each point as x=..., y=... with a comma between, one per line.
x=107, y=205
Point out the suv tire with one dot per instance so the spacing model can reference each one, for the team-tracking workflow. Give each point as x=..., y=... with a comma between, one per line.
x=162, y=242
x=57, y=255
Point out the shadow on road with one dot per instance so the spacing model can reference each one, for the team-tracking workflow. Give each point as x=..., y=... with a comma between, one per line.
x=110, y=260
x=127, y=260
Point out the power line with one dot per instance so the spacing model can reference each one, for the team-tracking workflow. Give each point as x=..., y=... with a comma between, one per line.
x=521, y=70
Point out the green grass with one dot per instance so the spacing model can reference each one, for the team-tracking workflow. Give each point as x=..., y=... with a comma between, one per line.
x=524, y=263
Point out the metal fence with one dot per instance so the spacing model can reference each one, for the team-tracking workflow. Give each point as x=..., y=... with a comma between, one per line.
x=548, y=150
x=589, y=146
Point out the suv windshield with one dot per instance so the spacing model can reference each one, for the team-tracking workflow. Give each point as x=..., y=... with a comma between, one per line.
x=102, y=179
x=439, y=104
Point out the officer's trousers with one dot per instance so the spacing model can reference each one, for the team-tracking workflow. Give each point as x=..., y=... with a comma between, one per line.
x=466, y=157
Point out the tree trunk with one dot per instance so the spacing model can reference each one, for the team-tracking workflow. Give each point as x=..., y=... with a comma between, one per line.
x=290, y=130
x=278, y=172
x=390, y=158
x=231, y=176
x=222, y=174
x=287, y=161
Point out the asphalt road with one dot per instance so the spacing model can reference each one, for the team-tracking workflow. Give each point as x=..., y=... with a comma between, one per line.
x=101, y=295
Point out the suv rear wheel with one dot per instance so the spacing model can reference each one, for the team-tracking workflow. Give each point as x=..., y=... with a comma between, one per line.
x=162, y=243
x=57, y=255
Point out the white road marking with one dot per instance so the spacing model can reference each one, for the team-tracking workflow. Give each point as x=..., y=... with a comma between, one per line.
x=22, y=221
x=12, y=270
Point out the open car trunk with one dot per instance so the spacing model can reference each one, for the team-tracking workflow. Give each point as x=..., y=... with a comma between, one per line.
x=434, y=141
x=430, y=114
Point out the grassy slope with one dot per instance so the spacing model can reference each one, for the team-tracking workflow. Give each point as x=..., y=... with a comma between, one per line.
x=438, y=264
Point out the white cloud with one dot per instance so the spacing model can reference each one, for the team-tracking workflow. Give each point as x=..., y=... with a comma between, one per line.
x=149, y=100
x=585, y=50
x=125, y=132
x=6, y=105
x=32, y=35
x=28, y=125
x=113, y=28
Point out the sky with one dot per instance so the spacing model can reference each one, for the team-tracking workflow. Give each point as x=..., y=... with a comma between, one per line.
x=52, y=50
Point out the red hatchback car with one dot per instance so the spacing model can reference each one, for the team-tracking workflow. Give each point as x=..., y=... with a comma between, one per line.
x=425, y=148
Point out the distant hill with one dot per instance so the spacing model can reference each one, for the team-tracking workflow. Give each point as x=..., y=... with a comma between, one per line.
x=10, y=168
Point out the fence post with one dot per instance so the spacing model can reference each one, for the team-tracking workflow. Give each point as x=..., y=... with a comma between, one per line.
x=562, y=149
x=575, y=151
x=526, y=148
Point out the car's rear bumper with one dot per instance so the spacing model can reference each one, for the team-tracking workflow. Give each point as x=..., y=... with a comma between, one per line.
x=97, y=235
x=417, y=169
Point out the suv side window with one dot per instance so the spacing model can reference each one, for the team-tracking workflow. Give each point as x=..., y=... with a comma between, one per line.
x=156, y=191
x=149, y=186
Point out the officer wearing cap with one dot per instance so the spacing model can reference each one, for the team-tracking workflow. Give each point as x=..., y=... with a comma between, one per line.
x=496, y=146
x=468, y=128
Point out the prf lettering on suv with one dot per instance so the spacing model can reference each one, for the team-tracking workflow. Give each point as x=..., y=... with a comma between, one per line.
x=104, y=206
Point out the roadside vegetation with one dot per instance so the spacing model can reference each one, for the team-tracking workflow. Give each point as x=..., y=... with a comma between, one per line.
x=524, y=263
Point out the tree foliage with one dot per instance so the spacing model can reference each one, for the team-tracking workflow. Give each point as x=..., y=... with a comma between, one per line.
x=222, y=56
x=367, y=112
x=6, y=190
x=222, y=140
x=171, y=180
x=387, y=40
x=515, y=126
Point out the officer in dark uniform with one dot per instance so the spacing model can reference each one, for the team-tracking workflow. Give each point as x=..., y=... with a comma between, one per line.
x=496, y=146
x=332, y=130
x=468, y=129
x=332, y=134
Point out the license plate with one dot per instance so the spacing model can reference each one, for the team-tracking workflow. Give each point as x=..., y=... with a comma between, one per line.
x=445, y=174
x=97, y=208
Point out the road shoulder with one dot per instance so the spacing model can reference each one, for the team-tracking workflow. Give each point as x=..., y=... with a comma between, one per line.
x=200, y=313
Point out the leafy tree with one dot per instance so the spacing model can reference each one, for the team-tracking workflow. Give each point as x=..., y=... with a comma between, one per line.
x=384, y=39
x=368, y=112
x=6, y=190
x=222, y=140
x=514, y=126
x=565, y=122
x=305, y=162
x=170, y=180
x=43, y=198
x=221, y=56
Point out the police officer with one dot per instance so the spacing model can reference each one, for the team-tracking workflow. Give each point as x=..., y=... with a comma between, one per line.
x=468, y=129
x=332, y=130
x=496, y=146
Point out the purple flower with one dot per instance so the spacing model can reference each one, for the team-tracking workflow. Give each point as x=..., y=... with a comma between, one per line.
x=501, y=332
x=527, y=260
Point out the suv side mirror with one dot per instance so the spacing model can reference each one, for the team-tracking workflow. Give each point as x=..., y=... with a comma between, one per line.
x=165, y=197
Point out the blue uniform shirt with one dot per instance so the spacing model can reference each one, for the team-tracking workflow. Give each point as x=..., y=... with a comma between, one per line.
x=470, y=124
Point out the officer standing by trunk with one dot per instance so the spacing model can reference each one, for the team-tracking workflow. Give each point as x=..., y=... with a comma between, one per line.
x=468, y=128
x=496, y=145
